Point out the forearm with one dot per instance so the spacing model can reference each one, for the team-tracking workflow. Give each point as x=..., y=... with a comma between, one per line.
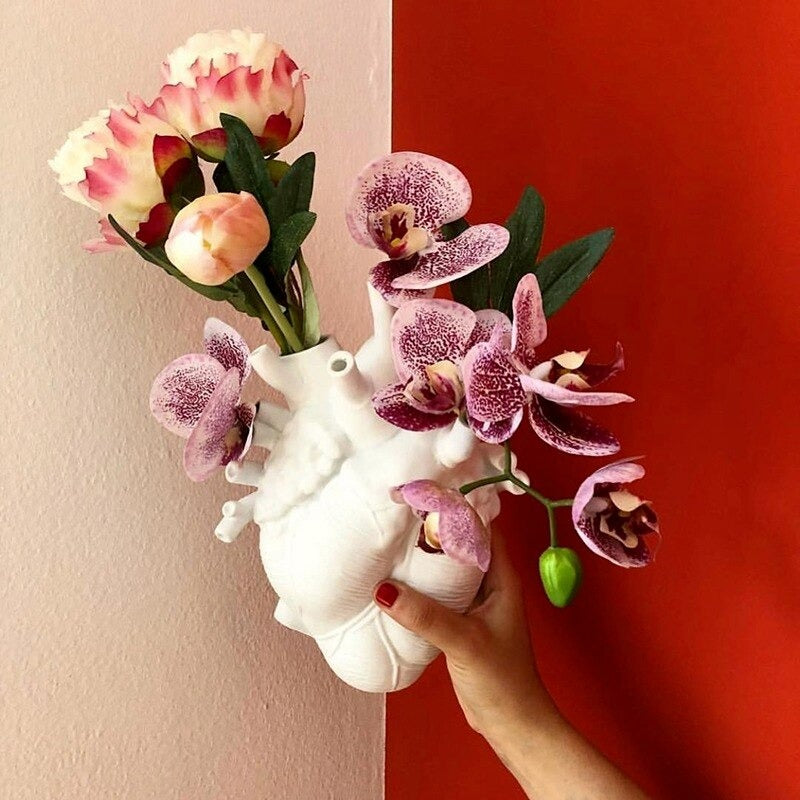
x=552, y=761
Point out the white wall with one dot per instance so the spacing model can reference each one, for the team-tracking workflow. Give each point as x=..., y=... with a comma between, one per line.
x=138, y=655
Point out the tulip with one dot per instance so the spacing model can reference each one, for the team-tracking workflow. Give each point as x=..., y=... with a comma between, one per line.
x=233, y=72
x=217, y=236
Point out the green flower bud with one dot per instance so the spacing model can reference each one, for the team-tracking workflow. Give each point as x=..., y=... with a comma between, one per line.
x=560, y=571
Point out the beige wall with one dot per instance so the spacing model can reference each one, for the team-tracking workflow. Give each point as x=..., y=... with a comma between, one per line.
x=139, y=658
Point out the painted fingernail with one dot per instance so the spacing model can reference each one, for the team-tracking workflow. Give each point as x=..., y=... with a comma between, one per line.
x=386, y=594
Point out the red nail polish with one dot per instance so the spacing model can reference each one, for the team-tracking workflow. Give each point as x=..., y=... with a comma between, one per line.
x=386, y=594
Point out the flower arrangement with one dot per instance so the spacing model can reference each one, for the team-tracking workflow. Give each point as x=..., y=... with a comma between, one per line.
x=418, y=424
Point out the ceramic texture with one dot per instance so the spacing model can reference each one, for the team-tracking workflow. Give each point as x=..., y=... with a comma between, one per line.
x=329, y=529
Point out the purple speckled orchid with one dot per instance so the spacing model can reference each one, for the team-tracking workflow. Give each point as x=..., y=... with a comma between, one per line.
x=198, y=397
x=429, y=340
x=399, y=205
x=502, y=376
x=613, y=522
x=450, y=524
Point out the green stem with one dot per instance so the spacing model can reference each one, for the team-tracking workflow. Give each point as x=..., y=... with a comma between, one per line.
x=293, y=342
x=469, y=487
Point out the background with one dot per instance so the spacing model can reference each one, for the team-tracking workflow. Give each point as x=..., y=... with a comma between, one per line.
x=138, y=655
x=677, y=124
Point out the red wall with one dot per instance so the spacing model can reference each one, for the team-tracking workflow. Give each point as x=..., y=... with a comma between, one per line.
x=678, y=124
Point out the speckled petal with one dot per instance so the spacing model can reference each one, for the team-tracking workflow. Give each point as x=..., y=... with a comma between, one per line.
x=475, y=247
x=182, y=389
x=496, y=432
x=381, y=277
x=486, y=321
x=595, y=374
x=491, y=381
x=217, y=434
x=437, y=191
x=624, y=471
x=463, y=536
x=427, y=331
x=226, y=345
x=391, y=404
x=530, y=323
x=570, y=431
x=571, y=397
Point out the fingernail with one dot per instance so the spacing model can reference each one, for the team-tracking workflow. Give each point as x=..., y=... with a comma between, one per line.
x=386, y=594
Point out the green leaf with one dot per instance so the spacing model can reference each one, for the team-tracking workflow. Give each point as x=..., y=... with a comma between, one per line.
x=286, y=240
x=245, y=161
x=311, y=329
x=563, y=271
x=222, y=178
x=526, y=226
x=293, y=192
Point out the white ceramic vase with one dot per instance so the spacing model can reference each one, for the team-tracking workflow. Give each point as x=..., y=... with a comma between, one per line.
x=329, y=528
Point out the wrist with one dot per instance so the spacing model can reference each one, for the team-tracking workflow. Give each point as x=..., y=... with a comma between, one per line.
x=527, y=723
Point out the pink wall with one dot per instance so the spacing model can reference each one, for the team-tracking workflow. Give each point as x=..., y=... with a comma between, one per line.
x=138, y=656
x=677, y=123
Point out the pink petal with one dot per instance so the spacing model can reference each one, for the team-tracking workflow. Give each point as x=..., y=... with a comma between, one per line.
x=224, y=343
x=624, y=471
x=109, y=239
x=391, y=404
x=571, y=397
x=530, y=323
x=486, y=320
x=463, y=535
x=472, y=249
x=381, y=277
x=492, y=383
x=437, y=191
x=595, y=374
x=570, y=431
x=217, y=435
x=427, y=331
x=496, y=432
x=245, y=417
x=182, y=390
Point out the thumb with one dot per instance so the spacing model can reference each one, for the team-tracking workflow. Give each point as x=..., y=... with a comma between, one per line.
x=417, y=612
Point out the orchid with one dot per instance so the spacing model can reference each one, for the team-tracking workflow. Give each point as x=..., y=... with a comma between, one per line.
x=503, y=375
x=238, y=73
x=613, y=522
x=429, y=341
x=450, y=524
x=198, y=397
x=127, y=162
x=399, y=205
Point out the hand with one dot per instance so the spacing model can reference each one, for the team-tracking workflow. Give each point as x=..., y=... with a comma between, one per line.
x=493, y=670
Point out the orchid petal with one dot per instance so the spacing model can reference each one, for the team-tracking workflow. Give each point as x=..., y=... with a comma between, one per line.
x=570, y=431
x=438, y=192
x=224, y=343
x=486, y=321
x=427, y=331
x=595, y=374
x=624, y=471
x=381, y=277
x=392, y=405
x=496, y=432
x=217, y=435
x=182, y=390
x=530, y=323
x=453, y=259
x=570, y=397
x=492, y=382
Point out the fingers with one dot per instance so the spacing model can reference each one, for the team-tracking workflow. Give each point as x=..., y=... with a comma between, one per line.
x=421, y=615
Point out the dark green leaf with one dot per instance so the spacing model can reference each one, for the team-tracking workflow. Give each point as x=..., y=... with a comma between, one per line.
x=222, y=178
x=286, y=240
x=526, y=225
x=245, y=161
x=311, y=330
x=562, y=272
x=293, y=192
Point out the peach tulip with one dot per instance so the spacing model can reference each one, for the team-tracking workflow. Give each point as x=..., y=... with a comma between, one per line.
x=216, y=236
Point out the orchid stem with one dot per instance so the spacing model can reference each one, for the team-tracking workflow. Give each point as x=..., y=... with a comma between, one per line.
x=507, y=475
x=292, y=340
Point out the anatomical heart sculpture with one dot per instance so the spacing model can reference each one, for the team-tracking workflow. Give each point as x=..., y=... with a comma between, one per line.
x=386, y=463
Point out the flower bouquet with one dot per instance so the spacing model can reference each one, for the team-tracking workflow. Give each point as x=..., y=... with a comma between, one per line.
x=383, y=463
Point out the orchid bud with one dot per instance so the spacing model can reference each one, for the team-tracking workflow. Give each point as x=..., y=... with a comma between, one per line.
x=560, y=571
x=216, y=236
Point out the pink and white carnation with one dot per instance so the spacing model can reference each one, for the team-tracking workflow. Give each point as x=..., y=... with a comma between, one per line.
x=450, y=525
x=399, y=205
x=233, y=72
x=503, y=376
x=198, y=397
x=612, y=521
x=125, y=162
